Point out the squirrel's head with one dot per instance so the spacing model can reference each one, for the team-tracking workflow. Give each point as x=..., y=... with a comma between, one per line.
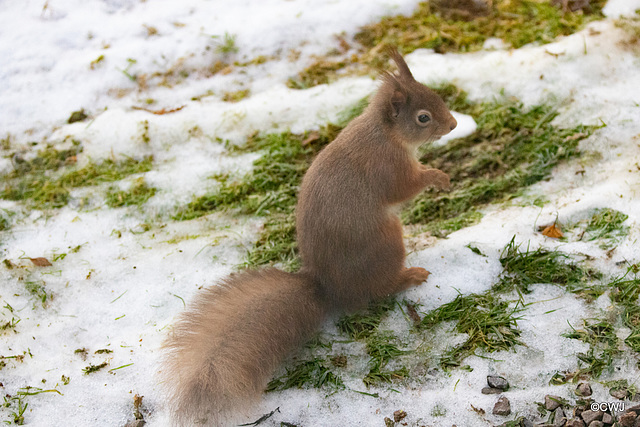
x=414, y=111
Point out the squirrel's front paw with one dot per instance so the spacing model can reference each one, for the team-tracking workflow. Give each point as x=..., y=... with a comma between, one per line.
x=438, y=179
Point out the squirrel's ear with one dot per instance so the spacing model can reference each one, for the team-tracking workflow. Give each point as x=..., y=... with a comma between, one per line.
x=395, y=91
x=397, y=100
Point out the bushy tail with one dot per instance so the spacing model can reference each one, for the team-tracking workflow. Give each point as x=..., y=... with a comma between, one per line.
x=227, y=344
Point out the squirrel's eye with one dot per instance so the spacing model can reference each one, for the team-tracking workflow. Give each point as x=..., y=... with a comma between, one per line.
x=422, y=117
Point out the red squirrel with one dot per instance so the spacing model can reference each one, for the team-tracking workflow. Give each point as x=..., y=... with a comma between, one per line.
x=227, y=344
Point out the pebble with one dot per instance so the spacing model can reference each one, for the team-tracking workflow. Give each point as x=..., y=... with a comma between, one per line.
x=502, y=407
x=551, y=402
x=619, y=393
x=627, y=419
x=635, y=409
x=596, y=423
x=589, y=416
x=498, y=382
x=491, y=390
x=575, y=423
x=399, y=415
x=559, y=419
x=584, y=390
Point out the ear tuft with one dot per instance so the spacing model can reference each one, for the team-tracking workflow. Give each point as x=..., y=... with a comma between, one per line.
x=403, y=68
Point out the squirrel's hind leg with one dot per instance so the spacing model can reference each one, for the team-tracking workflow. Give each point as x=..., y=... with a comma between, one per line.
x=412, y=276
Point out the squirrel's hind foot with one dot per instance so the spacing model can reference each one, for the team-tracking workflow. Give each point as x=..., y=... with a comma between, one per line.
x=413, y=276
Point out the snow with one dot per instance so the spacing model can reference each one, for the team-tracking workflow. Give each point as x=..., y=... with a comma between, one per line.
x=119, y=287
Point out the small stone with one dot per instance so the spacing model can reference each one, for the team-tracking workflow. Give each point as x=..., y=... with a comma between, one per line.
x=559, y=420
x=627, y=419
x=526, y=423
x=497, y=382
x=584, y=389
x=399, y=415
x=551, y=402
x=491, y=390
x=635, y=409
x=136, y=423
x=589, y=416
x=607, y=418
x=575, y=423
x=77, y=116
x=619, y=393
x=388, y=422
x=636, y=423
x=596, y=423
x=502, y=407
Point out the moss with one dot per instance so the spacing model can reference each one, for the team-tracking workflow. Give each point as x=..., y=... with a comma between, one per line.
x=320, y=72
x=137, y=195
x=517, y=23
x=41, y=189
x=512, y=148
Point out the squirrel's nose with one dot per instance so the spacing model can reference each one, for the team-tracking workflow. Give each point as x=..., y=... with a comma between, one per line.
x=453, y=124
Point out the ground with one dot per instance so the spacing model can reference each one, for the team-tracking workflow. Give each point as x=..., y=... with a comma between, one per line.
x=132, y=138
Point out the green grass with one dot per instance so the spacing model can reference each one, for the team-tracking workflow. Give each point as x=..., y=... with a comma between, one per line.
x=364, y=323
x=523, y=268
x=381, y=348
x=490, y=323
x=93, y=368
x=603, y=342
x=5, y=219
x=512, y=148
x=38, y=291
x=226, y=44
x=137, y=195
x=313, y=373
x=607, y=225
x=624, y=293
x=45, y=181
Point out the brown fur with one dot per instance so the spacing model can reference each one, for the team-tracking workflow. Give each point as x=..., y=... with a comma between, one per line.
x=227, y=344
